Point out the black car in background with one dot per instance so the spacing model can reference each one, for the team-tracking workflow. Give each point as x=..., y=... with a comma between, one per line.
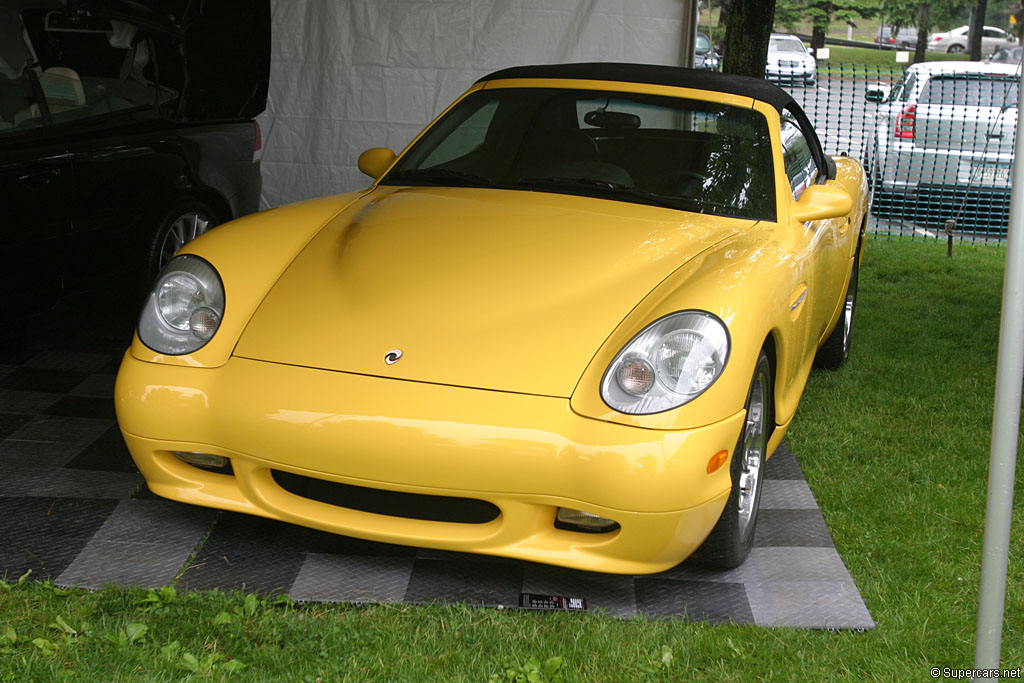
x=126, y=129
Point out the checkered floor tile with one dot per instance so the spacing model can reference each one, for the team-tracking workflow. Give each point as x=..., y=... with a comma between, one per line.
x=77, y=511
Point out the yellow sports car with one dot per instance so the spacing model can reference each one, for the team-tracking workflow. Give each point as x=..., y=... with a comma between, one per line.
x=567, y=324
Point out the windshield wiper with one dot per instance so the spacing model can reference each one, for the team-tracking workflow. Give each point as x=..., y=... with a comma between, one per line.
x=437, y=176
x=607, y=189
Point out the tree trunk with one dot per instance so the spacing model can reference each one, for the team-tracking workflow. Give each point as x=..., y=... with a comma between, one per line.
x=924, y=25
x=746, y=37
x=977, y=29
x=817, y=38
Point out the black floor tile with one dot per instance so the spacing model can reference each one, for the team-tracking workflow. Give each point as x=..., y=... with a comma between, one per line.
x=83, y=406
x=46, y=534
x=471, y=583
x=782, y=465
x=694, y=600
x=37, y=379
x=112, y=366
x=791, y=528
x=143, y=493
x=107, y=453
x=45, y=555
x=236, y=556
x=10, y=423
x=70, y=517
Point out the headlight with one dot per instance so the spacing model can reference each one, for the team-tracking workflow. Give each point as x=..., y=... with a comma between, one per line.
x=185, y=307
x=671, y=362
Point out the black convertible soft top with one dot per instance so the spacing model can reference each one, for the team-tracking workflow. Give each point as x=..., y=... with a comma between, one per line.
x=624, y=72
x=757, y=88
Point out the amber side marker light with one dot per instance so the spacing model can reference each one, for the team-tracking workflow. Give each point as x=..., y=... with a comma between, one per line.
x=717, y=460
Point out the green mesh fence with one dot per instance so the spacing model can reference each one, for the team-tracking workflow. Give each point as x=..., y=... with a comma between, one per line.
x=936, y=141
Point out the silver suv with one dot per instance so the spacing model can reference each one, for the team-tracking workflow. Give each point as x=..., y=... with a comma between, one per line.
x=942, y=140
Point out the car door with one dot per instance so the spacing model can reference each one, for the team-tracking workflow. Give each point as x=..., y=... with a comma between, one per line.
x=35, y=181
x=993, y=38
x=828, y=262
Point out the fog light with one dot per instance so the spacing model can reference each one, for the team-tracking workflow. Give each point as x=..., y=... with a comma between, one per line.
x=204, y=460
x=577, y=520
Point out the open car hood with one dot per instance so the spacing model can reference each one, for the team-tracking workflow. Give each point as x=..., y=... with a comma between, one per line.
x=211, y=60
x=495, y=289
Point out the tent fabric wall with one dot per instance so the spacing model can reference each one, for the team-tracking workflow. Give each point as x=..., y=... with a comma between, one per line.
x=354, y=74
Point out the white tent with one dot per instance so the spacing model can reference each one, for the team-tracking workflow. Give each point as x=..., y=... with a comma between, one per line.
x=346, y=76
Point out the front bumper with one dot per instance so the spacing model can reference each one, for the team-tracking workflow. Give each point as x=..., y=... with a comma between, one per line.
x=789, y=74
x=903, y=167
x=527, y=455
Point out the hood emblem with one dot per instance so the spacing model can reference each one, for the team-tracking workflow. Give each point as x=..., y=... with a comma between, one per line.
x=391, y=357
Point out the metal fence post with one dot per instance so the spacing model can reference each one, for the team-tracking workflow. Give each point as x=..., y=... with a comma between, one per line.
x=1005, y=431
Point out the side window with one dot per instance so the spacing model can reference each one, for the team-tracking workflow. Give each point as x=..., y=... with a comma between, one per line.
x=19, y=110
x=901, y=91
x=796, y=154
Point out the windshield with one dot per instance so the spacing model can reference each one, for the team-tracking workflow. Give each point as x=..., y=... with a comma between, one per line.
x=702, y=45
x=974, y=90
x=785, y=45
x=678, y=153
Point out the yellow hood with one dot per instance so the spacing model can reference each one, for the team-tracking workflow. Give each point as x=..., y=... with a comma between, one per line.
x=495, y=289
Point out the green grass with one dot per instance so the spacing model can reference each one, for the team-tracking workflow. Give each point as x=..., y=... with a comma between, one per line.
x=864, y=55
x=894, y=446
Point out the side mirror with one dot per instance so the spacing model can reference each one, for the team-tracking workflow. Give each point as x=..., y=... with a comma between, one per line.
x=877, y=92
x=374, y=161
x=822, y=201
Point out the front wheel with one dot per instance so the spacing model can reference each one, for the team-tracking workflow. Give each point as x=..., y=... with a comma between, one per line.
x=730, y=541
x=177, y=227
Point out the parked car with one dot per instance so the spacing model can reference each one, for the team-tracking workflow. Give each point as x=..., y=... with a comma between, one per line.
x=958, y=40
x=944, y=136
x=568, y=324
x=904, y=37
x=1006, y=55
x=704, y=54
x=124, y=132
x=789, y=61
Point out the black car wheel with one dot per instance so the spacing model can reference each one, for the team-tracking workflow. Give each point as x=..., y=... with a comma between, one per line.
x=955, y=49
x=730, y=541
x=178, y=226
x=836, y=349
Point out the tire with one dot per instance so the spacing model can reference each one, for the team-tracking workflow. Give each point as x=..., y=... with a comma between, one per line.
x=955, y=49
x=181, y=224
x=730, y=541
x=836, y=349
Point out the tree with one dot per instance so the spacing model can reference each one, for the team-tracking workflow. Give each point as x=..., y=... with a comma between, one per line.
x=977, y=28
x=925, y=15
x=746, y=37
x=821, y=13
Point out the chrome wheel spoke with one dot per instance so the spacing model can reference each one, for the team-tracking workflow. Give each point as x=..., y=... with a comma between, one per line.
x=752, y=455
x=180, y=232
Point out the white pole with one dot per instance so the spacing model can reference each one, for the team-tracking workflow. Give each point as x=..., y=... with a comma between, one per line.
x=689, y=31
x=1005, y=426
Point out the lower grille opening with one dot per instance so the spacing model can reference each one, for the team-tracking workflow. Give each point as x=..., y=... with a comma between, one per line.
x=392, y=503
